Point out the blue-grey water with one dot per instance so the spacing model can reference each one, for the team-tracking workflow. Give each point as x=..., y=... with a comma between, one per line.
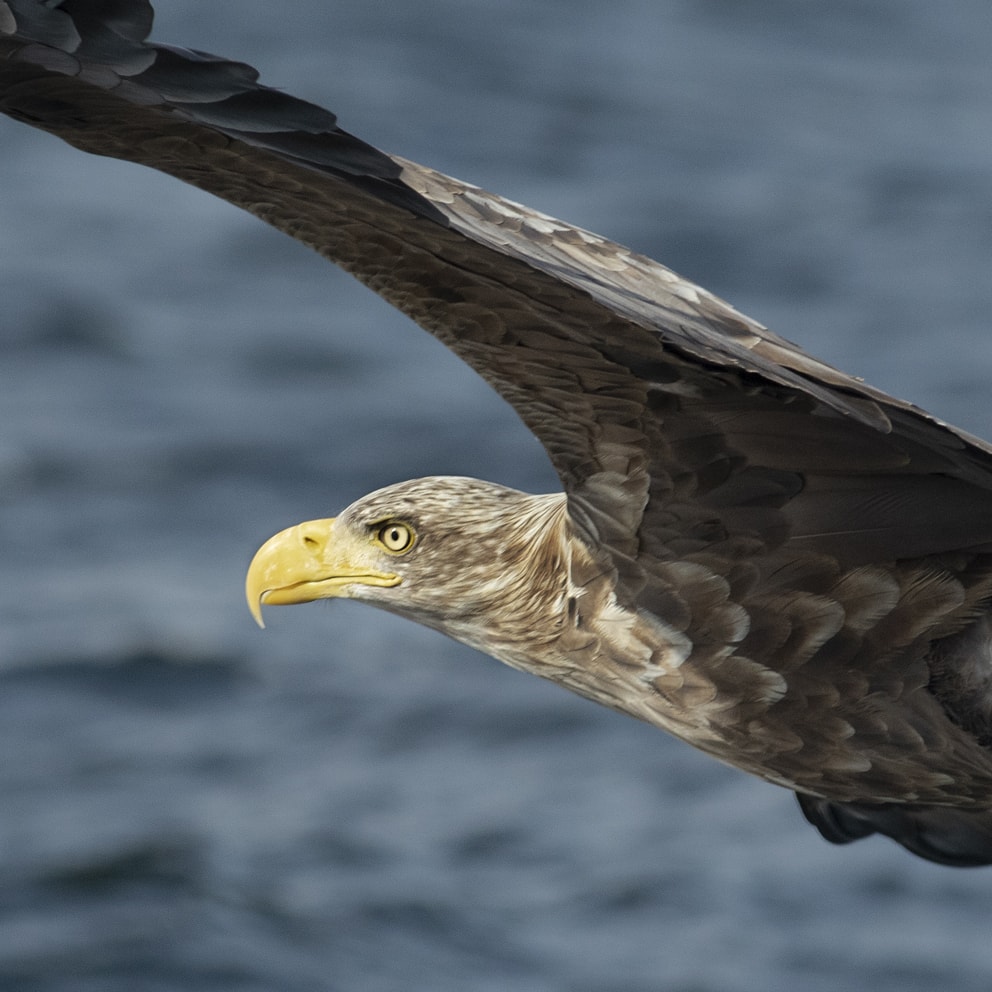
x=345, y=801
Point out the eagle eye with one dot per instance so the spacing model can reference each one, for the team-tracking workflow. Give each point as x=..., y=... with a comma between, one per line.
x=395, y=537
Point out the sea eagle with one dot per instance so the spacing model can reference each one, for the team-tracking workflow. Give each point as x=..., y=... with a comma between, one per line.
x=768, y=558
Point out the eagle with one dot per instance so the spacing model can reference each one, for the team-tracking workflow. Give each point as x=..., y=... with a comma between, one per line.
x=766, y=557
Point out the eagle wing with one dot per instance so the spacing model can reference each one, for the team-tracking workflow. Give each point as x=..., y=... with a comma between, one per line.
x=595, y=346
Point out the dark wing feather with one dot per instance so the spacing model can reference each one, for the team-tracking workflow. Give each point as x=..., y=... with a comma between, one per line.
x=959, y=838
x=705, y=458
x=536, y=306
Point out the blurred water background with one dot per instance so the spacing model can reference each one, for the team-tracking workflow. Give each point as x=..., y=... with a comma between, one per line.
x=345, y=801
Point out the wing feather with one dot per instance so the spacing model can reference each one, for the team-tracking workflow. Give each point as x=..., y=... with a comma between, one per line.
x=484, y=274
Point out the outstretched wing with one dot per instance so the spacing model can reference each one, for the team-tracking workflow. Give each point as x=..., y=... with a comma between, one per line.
x=650, y=394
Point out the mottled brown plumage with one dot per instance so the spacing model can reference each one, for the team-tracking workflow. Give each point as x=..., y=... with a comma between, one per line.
x=755, y=551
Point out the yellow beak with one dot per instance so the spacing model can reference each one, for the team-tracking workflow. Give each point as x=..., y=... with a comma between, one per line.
x=304, y=563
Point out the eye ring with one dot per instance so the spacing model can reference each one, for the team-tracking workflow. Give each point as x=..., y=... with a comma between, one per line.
x=396, y=537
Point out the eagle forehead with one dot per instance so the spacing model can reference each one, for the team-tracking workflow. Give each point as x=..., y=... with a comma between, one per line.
x=436, y=489
x=455, y=503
